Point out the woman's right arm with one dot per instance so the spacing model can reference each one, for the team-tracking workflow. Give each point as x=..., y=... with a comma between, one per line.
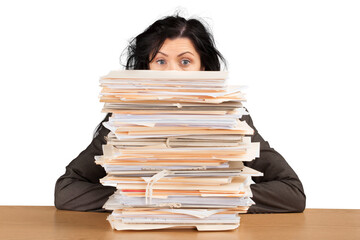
x=79, y=188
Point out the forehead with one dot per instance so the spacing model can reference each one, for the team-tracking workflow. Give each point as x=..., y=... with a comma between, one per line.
x=177, y=45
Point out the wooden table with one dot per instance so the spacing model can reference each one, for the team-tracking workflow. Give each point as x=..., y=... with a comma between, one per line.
x=29, y=222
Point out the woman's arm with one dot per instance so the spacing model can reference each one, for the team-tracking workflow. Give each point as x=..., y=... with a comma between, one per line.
x=280, y=189
x=79, y=188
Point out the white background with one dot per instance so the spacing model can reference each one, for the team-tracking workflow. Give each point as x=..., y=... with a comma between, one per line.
x=299, y=59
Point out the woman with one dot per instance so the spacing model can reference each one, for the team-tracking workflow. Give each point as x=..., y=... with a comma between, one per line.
x=174, y=43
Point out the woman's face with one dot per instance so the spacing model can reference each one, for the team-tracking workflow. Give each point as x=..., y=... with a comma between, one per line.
x=177, y=54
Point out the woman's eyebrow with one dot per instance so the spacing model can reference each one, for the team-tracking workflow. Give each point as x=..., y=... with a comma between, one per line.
x=184, y=53
x=177, y=55
x=163, y=53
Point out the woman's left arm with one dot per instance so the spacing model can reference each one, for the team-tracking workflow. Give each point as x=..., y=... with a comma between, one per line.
x=280, y=189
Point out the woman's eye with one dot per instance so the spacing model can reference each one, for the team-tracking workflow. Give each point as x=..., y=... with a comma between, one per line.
x=185, y=62
x=161, y=61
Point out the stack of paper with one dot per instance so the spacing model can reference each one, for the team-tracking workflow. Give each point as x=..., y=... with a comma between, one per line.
x=175, y=150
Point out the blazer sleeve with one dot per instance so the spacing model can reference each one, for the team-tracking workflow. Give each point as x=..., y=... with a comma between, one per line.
x=79, y=188
x=280, y=189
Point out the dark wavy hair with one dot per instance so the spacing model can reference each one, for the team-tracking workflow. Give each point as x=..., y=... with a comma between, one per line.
x=143, y=48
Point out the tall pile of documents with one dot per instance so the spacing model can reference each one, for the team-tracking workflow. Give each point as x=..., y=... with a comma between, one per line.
x=175, y=150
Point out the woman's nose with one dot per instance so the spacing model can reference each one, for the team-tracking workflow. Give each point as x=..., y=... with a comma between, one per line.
x=174, y=66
